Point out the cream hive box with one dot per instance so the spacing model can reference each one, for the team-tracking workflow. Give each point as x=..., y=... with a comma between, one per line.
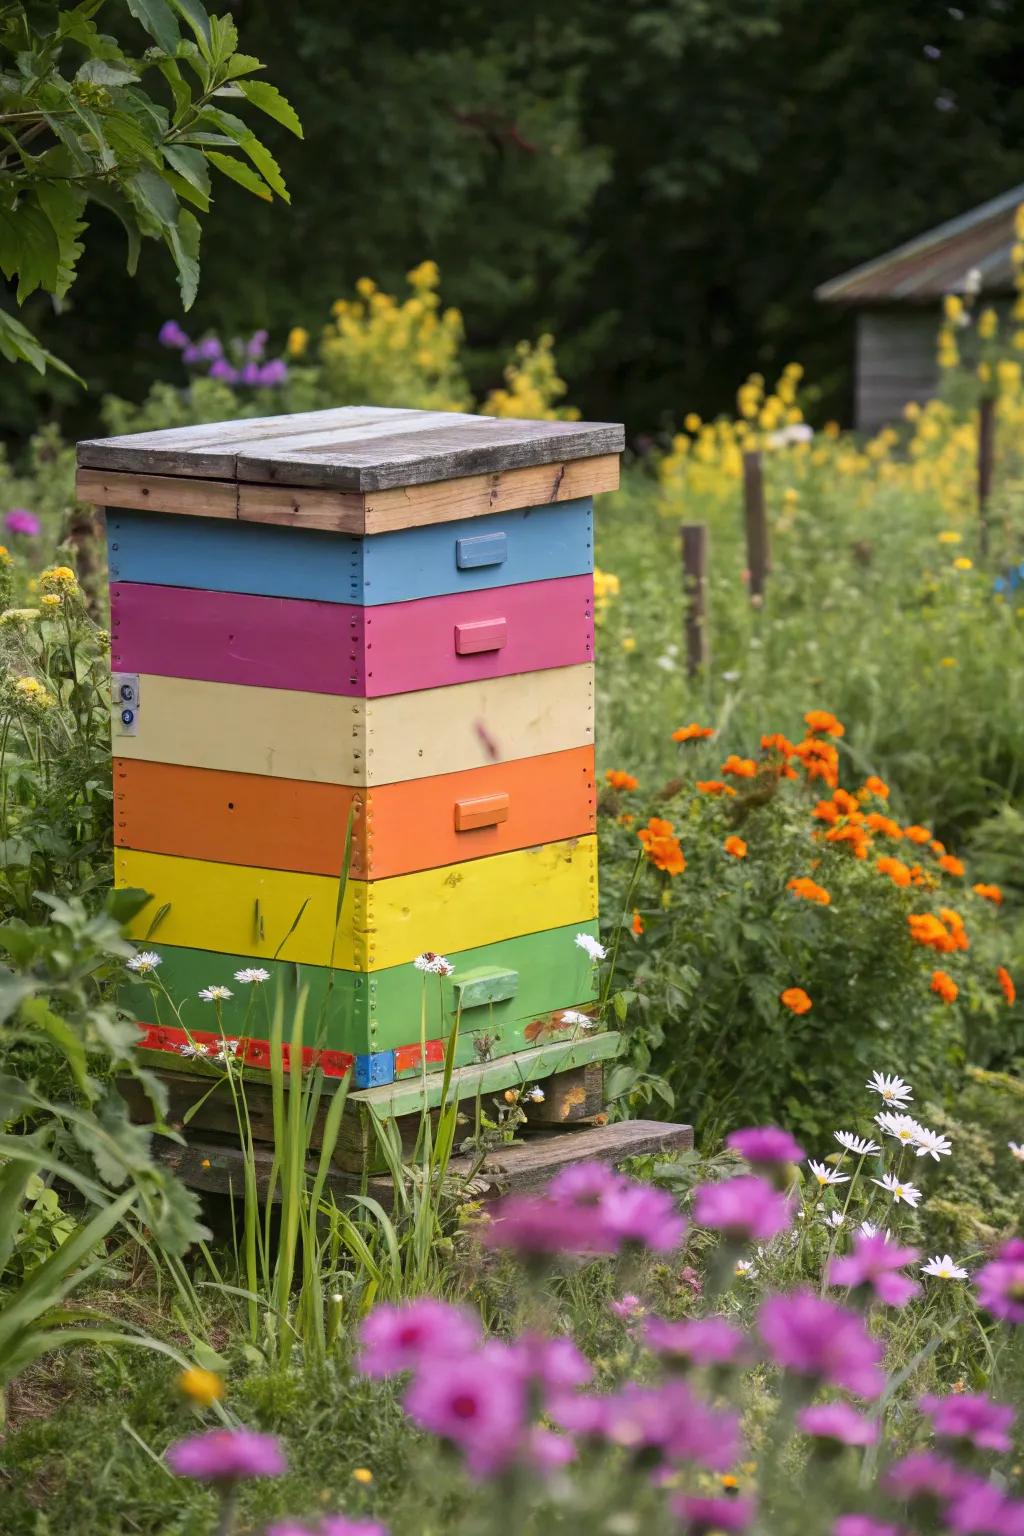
x=353, y=722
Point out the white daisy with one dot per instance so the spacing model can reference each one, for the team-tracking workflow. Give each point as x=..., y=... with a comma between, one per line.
x=536, y=1094
x=743, y=1267
x=1016, y=1151
x=187, y=1050
x=892, y=1089
x=834, y=1219
x=433, y=965
x=908, y=1193
x=868, y=1229
x=144, y=962
x=252, y=973
x=216, y=994
x=943, y=1268
x=826, y=1175
x=573, y=1016
x=855, y=1144
x=932, y=1144
x=903, y=1127
x=590, y=946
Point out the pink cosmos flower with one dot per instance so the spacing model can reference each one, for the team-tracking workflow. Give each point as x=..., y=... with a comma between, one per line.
x=813, y=1337
x=627, y=1307
x=979, y=1508
x=478, y=1402
x=588, y=1208
x=838, y=1421
x=972, y=1417
x=704, y=1341
x=746, y=1209
x=700, y=1515
x=401, y=1338
x=227, y=1456
x=533, y=1224
x=547, y=1451
x=669, y=1419
x=923, y=1475
x=873, y=1264
x=333, y=1525
x=584, y=1183
x=1000, y=1284
x=863, y=1525
x=21, y=520
x=764, y=1145
x=634, y=1213
x=554, y=1363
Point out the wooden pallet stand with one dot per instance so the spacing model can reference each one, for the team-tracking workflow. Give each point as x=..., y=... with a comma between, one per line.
x=353, y=725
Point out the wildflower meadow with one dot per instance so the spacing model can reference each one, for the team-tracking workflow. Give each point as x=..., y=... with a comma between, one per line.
x=810, y=943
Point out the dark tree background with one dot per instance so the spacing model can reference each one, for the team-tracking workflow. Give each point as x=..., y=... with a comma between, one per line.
x=659, y=185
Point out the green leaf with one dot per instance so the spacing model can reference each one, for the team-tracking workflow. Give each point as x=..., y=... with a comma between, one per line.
x=62, y=204
x=265, y=163
x=18, y=345
x=100, y=72
x=183, y=239
x=240, y=172
x=242, y=64
x=198, y=20
x=179, y=86
x=29, y=249
x=149, y=191
x=121, y=208
x=267, y=98
x=14, y=990
x=158, y=20
x=191, y=164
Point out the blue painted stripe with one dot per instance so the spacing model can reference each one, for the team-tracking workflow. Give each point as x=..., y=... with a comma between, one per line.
x=531, y=544
x=373, y=1069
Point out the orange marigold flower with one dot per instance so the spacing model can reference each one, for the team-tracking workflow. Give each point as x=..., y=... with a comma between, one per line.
x=883, y=825
x=926, y=928
x=796, y=1000
x=897, y=871
x=936, y=846
x=989, y=893
x=626, y=819
x=821, y=722
x=919, y=876
x=776, y=742
x=692, y=732
x=820, y=760
x=846, y=804
x=735, y=846
x=620, y=780
x=857, y=838
x=810, y=890
x=739, y=767
x=1006, y=982
x=662, y=846
x=637, y=925
x=955, y=923
x=826, y=810
x=951, y=865
x=945, y=986
x=873, y=785
x=714, y=787
x=917, y=834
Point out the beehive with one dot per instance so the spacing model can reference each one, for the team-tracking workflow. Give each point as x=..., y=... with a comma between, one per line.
x=372, y=630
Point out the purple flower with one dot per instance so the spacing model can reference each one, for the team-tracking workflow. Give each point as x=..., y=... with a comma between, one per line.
x=171, y=334
x=210, y=349
x=546, y=1451
x=227, y=1456
x=972, y=1417
x=700, y=1515
x=21, y=520
x=706, y=1341
x=584, y=1183
x=838, y=1421
x=254, y=347
x=1000, y=1284
x=863, y=1525
x=273, y=373
x=533, y=1224
x=979, y=1508
x=555, y=1363
x=669, y=1419
x=341, y=1525
x=627, y=1307
x=763, y=1145
x=250, y=374
x=636, y=1213
x=874, y=1263
x=745, y=1209
x=191, y=354
x=402, y=1338
x=923, y=1475
x=587, y=1209
x=478, y=1402
x=813, y=1337
x=222, y=369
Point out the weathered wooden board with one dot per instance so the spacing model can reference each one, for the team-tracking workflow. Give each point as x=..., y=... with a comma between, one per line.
x=508, y=995
x=216, y=1167
x=190, y=498
x=325, y=738
x=238, y=909
x=279, y=823
x=355, y=448
x=345, y=648
x=225, y=555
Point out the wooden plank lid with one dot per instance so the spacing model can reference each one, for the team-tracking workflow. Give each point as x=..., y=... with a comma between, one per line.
x=353, y=448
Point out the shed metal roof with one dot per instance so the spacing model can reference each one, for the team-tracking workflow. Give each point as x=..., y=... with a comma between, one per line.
x=937, y=263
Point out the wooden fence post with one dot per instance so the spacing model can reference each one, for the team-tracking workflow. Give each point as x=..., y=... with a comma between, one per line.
x=756, y=522
x=695, y=595
x=986, y=464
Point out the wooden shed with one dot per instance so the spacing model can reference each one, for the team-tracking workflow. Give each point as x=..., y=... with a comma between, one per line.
x=897, y=299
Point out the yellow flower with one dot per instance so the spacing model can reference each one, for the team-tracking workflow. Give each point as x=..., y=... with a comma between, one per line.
x=962, y=563
x=948, y=661
x=298, y=340
x=203, y=1387
x=953, y=307
x=50, y=600
x=362, y=1475
x=988, y=324
x=628, y=642
x=692, y=422
x=366, y=287
x=19, y=616
x=950, y=536
x=59, y=578
x=790, y=497
x=6, y=557
x=31, y=691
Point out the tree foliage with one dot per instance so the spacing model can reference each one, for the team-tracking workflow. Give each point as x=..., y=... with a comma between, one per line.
x=86, y=119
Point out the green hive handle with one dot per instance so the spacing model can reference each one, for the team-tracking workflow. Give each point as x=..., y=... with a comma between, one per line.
x=490, y=984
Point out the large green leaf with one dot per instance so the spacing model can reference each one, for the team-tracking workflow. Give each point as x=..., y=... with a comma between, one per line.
x=62, y=202
x=183, y=239
x=29, y=249
x=269, y=99
x=150, y=192
x=240, y=172
x=158, y=19
x=102, y=72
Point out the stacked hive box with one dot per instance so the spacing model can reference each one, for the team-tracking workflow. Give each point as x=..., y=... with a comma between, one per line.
x=365, y=630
